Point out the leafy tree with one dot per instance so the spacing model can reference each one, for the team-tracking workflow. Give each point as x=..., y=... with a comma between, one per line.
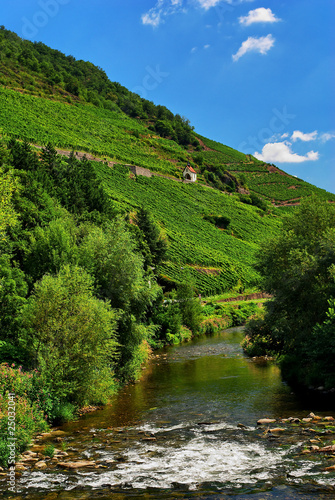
x=109, y=253
x=321, y=352
x=8, y=215
x=164, y=128
x=13, y=290
x=70, y=334
x=189, y=306
x=51, y=247
x=297, y=268
x=151, y=239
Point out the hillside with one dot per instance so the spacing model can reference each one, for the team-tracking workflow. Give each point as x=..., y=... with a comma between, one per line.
x=47, y=97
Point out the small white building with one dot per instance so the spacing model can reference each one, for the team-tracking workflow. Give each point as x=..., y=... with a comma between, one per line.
x=189, y=174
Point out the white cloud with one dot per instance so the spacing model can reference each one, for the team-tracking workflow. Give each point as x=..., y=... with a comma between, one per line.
x=327, y=136
x=207, y=4
x=262, y=45
x=304, y=137
x=260, y=15
x=156, y=14
x=206, y=46
x=152, y=18
x=280, y=152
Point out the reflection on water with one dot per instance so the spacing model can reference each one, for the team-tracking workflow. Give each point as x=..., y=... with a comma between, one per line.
x=175, y=434
x=210, y=377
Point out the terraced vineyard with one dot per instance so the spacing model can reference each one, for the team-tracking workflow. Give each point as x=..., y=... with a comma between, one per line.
x=76, y=107
x=217, y=259
x=84, y=127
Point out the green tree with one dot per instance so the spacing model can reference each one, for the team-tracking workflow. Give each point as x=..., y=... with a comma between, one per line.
x=71, y=335
x=109, y=254
x=189, y=306
x=8, y=215
x=13, y=290
x=297, y=269
x=51, y=247
x=152, y=242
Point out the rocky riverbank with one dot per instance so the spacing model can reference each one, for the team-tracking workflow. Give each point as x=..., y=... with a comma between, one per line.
x=314, y=437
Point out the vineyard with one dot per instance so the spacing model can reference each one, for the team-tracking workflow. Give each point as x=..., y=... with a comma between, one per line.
x=84, y=127
x=215, y=227
x=217, y=259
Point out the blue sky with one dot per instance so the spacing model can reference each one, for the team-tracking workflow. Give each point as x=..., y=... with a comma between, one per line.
x=257, y=75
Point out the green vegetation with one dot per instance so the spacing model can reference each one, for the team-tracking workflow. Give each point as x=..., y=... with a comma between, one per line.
x=298, y=268
x=49, y=97
x=78, y=295
x=99, y=266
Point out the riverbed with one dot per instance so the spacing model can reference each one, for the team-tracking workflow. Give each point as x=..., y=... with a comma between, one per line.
x=188, y=429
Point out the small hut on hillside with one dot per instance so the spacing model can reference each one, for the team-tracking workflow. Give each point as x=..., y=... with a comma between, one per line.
x=189, y=173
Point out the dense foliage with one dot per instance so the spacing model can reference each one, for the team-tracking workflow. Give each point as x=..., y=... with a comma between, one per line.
x=78, y=292
x=98, y=266
x=298, y=268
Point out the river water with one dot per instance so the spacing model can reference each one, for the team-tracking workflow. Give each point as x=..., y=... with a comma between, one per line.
x=189, y=430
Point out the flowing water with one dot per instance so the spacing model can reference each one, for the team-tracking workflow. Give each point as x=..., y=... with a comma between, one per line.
x=189, y=430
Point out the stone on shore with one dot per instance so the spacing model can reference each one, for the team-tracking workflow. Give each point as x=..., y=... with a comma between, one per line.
x=41, y=464
x=265, y=421
x=77, y=465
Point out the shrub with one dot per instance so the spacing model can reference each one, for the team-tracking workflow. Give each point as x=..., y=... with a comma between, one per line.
x=29, y=416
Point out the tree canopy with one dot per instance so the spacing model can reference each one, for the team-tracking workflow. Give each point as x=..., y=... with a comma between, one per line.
x=297, y=268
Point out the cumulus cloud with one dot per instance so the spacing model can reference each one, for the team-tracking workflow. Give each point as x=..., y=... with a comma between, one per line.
x=304, y=137
x=281, y=152
x=260, y=15
x=253, y=44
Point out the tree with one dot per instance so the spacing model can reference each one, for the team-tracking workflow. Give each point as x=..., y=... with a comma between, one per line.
x=151, y=240
x=189, y=306
x=70, y=334
x=297, y=269
x=13, y=290
x=109, y=253
x=8, y=215
x=51, y=247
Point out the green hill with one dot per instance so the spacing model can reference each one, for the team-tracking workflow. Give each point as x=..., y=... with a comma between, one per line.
x=47, y=97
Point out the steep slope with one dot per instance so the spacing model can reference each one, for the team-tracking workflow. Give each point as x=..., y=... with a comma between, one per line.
x=214, y=228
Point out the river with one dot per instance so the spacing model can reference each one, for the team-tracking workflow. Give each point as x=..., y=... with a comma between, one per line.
x=188, y=429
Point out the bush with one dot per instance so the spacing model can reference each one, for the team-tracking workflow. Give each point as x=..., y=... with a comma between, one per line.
x=70, y=333
x=29, y=416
